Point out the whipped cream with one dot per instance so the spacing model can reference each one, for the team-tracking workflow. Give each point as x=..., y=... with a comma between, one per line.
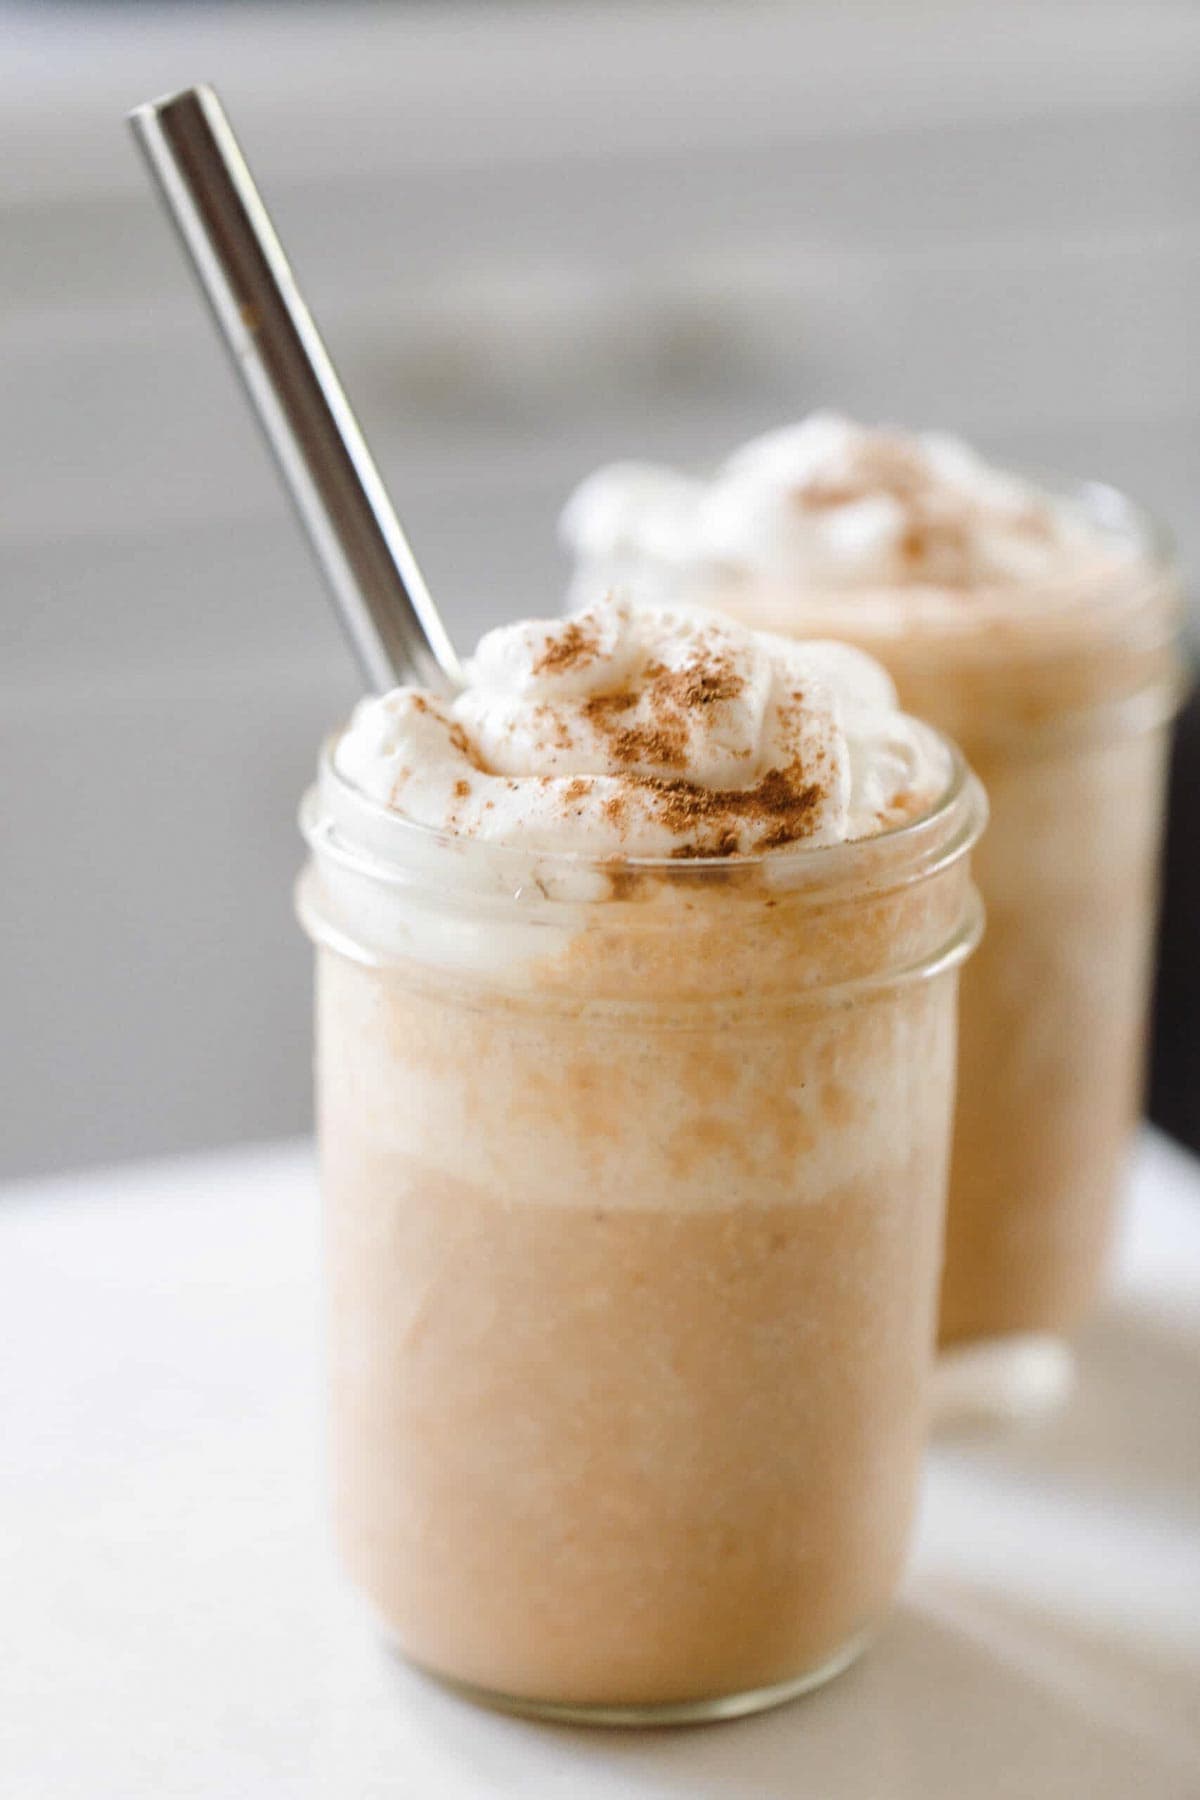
x=645, y=732
x=836, y=505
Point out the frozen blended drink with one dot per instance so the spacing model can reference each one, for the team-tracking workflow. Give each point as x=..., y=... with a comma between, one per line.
x=636, y=1018
x=1037, y=628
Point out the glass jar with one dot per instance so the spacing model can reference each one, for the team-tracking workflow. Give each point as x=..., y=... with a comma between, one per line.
x=1061, y=695
x=634, y=1179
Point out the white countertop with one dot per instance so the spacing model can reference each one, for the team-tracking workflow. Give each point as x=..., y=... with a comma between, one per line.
x=173, y=1625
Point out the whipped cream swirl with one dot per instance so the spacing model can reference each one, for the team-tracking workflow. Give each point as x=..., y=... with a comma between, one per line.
x=835, y=505
x=637, y=732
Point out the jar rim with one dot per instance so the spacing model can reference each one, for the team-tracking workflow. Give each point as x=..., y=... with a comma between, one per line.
x=1109, y=505
x=1105, y=504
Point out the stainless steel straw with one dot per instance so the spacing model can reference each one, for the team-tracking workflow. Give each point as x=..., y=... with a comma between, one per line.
x=210, y=195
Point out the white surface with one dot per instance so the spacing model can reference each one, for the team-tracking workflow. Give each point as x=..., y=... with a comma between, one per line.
x=174, y=1627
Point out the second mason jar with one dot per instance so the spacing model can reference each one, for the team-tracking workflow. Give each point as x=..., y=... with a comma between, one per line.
x=634, y=1187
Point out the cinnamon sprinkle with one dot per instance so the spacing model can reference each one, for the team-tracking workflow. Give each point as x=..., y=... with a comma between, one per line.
x=664, y=744
x=573, y=648
x=648, y=730
x=599, y=708
x=699, y=685
x=668, y=696
x=784, y=802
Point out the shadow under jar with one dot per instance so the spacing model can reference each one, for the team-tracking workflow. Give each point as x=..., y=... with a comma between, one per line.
x=634, y=1180
x=1061, y=694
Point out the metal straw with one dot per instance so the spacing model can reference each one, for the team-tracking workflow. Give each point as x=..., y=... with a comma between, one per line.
x=381, y=596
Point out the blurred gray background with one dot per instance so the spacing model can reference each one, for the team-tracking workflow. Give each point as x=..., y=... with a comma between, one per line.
x=537, y=237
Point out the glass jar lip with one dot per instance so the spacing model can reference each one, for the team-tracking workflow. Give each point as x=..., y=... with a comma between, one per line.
x=1109, y=506
x=391, y=844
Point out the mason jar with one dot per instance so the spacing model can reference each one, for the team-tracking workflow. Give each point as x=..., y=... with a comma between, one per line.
x=1061, y=694
x=633, y=1179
